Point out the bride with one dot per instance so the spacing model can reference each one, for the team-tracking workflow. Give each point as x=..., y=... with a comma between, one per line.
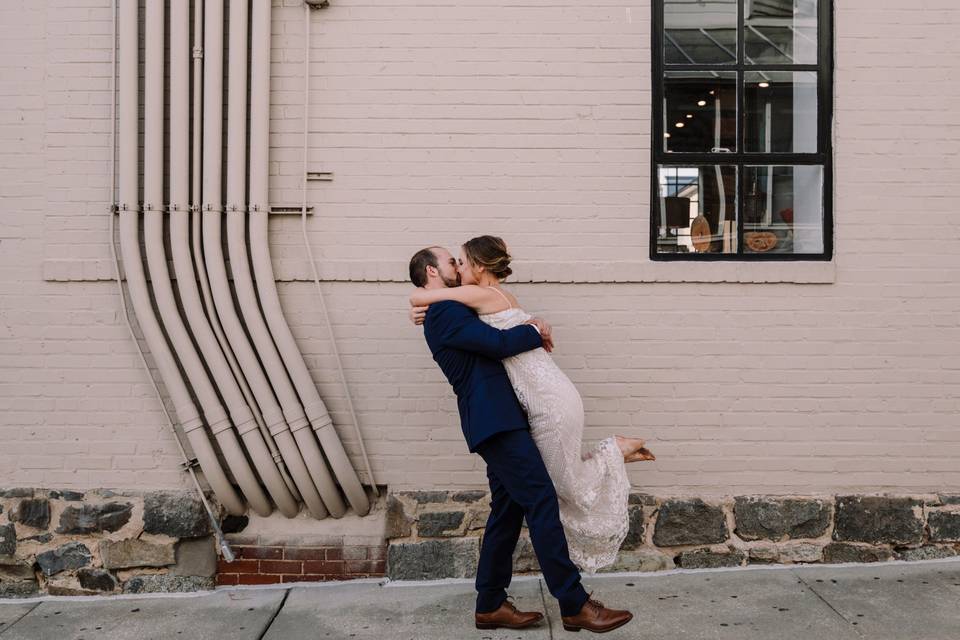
x=592, y=487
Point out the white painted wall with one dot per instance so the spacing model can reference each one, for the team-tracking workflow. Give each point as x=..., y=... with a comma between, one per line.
x=530, y=120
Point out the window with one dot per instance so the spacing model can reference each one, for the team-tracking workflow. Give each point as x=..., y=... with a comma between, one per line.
x=741, y=151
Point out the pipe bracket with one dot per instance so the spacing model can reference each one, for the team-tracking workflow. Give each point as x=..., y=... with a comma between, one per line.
x=187, y=465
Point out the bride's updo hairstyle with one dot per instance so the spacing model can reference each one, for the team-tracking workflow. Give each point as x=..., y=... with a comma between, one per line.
x=489, y=252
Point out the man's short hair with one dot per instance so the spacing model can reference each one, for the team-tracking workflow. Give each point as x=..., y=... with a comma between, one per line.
x=419, y=263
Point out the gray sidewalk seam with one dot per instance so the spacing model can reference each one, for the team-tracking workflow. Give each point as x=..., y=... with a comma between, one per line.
x=824, y=600
x=11, y=625
x=283, y=601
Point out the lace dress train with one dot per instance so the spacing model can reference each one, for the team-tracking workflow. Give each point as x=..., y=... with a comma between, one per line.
x=592, y=487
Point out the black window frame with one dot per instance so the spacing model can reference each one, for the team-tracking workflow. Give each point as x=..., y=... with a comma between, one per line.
x=824, y=69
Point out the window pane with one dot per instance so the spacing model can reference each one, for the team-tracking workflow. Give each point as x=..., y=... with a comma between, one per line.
x=700, y=111
x=782, y=209
x=696, y=209
x=699, y=31
x=780, y=111
x=780, y=31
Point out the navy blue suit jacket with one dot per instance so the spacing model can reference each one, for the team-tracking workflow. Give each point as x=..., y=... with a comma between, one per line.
x=469, y=354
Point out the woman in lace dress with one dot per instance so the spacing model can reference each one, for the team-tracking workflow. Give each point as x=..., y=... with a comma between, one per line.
x=592, y=486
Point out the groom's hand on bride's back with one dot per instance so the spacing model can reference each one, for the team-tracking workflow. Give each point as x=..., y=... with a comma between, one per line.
x=546, y=332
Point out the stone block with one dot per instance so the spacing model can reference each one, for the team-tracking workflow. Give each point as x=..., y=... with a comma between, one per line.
x=708, y=559
x=96, y=579
x=17, y=570
x=837, y=552
x=469, y=496
x=16, y=493
x=763, y=553
x=432, y=559
x=426, y=497
x=771, y=518
x=19, y=588
x=949, y=498
x=689, y=521
x=944, y=526
x=642, y=499
x=478, y=519
x=42, y=538
x=8, y=540
x=69, y=496
x=32, y=512
x=927, y=552
x=878, y=519
x=399, y=525
x=135, y=553
x=95, y=518
x=801, y=552
x=634, y=537
x=166, y=583
x=178, y=514
x=196, y=557
x=71, y=555
x=440, y=524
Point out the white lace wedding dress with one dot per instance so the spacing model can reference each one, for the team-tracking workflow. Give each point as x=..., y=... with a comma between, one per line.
x=592, y=487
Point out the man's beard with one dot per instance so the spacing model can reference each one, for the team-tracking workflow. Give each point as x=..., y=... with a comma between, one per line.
x=450, y=283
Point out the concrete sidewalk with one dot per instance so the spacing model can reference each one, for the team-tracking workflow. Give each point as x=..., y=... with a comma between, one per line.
x=895, y=601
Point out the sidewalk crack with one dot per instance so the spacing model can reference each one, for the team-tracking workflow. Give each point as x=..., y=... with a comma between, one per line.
x=283, y=601
x=546, y=612
x=10, y=626
x=824, y=600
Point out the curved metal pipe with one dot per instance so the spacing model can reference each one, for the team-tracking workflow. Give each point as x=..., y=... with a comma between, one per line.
x=216, y=269
x=241, y=416
x=200, y=272
x=242, y=280
x=316, y=411
x=186, y=411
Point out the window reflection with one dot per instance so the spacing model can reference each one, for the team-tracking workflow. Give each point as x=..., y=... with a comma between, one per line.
x=700, y=111
x=780, y=31
x=780, y=111
x=697, y=209
x=782, y=209
x=700, y=31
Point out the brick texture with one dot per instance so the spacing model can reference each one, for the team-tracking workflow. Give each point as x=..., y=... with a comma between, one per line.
x=311, y=564
x=529, y=120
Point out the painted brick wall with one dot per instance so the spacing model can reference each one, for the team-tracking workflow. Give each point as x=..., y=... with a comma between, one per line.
x=529, y=120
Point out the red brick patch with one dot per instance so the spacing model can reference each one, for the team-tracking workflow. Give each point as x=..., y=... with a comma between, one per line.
x=281, y=566
x=251, y=578
x=277, y=564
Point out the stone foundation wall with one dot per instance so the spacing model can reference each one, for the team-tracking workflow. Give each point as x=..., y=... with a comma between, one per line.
x=101, y=542
x=437, y=534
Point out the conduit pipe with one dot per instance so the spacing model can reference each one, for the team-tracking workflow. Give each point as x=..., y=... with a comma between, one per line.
x=316, y=411
x=197, y=244
x=241, y=416
x=242, y=280
x=288, y=437
x=186, y=412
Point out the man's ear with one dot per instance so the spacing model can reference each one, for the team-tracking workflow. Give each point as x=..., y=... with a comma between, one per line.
x=432, y=271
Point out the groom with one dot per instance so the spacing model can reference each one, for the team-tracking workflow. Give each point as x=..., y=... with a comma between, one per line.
x=494, y=424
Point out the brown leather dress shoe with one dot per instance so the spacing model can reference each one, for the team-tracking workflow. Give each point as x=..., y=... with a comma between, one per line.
x=507, y=616
x=597, y=618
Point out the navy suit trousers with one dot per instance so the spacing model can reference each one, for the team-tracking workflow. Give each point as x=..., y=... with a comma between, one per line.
x=521, y=488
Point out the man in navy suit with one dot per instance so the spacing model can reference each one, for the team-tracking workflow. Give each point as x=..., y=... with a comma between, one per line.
x=495, y=426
